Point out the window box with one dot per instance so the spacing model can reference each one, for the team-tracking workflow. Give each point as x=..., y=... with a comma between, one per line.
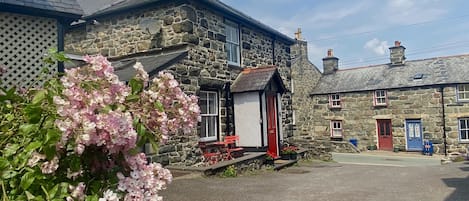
x=380, y=98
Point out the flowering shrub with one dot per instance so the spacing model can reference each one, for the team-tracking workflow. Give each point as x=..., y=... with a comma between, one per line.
x=79, y=137
x=289, y=150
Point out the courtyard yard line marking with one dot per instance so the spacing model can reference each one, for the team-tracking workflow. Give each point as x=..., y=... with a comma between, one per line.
x=373, y=164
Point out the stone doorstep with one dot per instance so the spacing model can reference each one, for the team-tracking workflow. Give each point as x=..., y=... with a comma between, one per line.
x=280, y=164
x=208, y=170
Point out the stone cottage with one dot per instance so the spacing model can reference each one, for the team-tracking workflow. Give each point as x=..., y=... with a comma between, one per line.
x=394, y=105
x=28, y=30
x=206, y=44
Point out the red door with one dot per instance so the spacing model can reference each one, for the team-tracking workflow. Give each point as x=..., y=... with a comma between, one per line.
x=385, y=135
x=272, y=125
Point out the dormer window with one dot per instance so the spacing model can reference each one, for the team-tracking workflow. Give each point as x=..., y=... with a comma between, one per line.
x=334, y=101
x=380, y=98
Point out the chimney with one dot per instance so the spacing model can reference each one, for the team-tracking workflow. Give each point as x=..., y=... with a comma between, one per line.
x=330, y=63
x=397, y=54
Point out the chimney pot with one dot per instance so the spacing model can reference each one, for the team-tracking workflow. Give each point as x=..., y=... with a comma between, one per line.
x=397, y=43
x=330, y=53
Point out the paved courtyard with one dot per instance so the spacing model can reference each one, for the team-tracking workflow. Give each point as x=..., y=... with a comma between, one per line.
x=362, y=177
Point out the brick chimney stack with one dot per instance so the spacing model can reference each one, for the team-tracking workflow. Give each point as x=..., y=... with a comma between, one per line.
x=330, y=63
x=397, y=54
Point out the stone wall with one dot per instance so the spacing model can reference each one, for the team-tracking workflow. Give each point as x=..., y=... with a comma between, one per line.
x=359, y=116
x=453, y=111
x=203, y=30
x=304, y=77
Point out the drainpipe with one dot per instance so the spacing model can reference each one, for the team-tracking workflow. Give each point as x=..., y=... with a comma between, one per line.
x=273, y=50
x=228, y=105
x=443, y=118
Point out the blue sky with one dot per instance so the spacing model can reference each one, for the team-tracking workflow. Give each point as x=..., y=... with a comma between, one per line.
x=361, y=31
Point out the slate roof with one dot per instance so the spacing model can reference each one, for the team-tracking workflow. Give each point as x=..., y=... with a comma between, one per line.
x=121, y=5
x=256, y=79
x=434, y=71
x=56, y=6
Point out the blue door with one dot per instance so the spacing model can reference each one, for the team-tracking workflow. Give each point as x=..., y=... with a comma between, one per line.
x=414, y=135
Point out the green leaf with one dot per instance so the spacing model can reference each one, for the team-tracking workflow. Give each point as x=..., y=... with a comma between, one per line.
x=33, y=146
x=39, y=97
x=4, y=163
x=29, y=195
x=52, y=136
x=10, y=150
x=33, y=113
x=27, y=128
x=50, y=151
x=53, y=191
x=26, y=180
x=154, y=145
x=159, y=106
x=132, y=98
x=9, y=174
x=136, y=86
x=92, y=198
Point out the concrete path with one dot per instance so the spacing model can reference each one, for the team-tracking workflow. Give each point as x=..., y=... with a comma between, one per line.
x=399, y=178
x=387, y=159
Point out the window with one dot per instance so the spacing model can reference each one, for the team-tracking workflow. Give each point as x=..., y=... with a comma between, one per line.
x=463, y=92
x=208, y=103
x=464, y=129
x=334, y=101
x=380, y=98
x=336, y=129
x=232, y=42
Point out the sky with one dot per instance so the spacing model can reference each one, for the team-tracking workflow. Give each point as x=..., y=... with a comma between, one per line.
x=361, y=31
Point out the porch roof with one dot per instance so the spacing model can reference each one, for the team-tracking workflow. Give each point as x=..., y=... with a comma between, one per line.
x=257, y=79
x=151, y=63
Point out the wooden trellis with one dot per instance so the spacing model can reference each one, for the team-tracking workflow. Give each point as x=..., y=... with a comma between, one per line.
x=24, y=40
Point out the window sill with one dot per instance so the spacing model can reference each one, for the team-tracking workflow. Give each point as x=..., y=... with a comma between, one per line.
x=463, y=142
x=380, y=106
x=207, y=140
x=235, y=66
x=459, y=103
x=335, y=108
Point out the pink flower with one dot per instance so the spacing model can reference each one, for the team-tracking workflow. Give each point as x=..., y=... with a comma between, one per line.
x=109, y=196
x=50, y=167
x=35, y=158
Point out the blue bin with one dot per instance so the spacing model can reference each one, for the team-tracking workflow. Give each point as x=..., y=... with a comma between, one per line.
x=354, y=142
x=427, y=148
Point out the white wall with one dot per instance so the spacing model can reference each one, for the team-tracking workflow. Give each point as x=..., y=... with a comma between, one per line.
x=247, y=119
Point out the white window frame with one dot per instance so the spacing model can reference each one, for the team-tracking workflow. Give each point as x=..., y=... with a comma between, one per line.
x=463, y=131
x=337, y=129
x=232, y=41
x=380, y=95
x=335, y=101
x=462, y=92
x=205, y=136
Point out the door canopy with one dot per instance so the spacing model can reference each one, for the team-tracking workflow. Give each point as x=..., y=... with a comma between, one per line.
x=258, y=79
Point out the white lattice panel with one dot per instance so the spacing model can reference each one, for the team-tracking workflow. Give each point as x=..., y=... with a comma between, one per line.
x=24, y=40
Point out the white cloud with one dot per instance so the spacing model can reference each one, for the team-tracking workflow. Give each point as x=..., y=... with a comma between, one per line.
x=377, y=46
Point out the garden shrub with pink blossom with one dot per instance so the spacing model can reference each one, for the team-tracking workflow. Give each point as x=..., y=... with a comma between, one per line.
x=79, y=137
